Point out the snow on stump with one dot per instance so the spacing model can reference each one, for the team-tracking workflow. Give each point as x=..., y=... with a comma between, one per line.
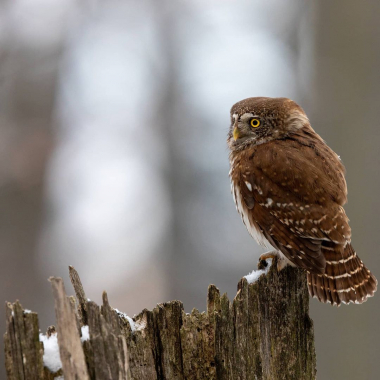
x=264, y=333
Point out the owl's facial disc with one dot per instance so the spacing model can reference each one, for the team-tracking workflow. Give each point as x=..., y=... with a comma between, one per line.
x=245, y=127
x=260, y=120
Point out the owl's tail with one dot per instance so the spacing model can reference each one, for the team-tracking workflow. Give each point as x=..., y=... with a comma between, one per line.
x=346, y=278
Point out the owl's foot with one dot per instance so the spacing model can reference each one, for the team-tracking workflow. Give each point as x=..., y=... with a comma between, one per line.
x=281, y=263
x=262, y=264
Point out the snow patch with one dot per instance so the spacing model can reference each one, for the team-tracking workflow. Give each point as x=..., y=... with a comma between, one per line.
x=129, y=319
x=121, y=314
x=255, y=274
x=131, y=323
x=85, y=334
x=51, y=357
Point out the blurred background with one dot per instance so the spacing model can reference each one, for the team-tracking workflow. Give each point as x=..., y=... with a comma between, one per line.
x=113, y=156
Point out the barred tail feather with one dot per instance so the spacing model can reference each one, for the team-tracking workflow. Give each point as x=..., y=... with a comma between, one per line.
x=346, y=278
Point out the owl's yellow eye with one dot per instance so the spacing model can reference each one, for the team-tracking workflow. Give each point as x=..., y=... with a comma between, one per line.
x=255, y=123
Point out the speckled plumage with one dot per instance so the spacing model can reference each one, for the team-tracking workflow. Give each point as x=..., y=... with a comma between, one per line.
x=289, y=188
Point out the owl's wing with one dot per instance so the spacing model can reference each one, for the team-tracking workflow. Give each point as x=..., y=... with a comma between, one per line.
x=295, y=195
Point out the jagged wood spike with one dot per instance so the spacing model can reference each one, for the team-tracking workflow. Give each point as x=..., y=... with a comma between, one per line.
x=81, y=295
x=23, y=350
x=70, y=347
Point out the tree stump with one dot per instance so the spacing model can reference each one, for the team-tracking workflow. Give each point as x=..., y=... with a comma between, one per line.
x=264, y=333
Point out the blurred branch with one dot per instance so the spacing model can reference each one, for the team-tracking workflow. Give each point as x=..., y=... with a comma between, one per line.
x=265, y=333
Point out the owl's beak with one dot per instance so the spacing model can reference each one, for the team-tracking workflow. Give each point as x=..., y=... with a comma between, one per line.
x=236, y=133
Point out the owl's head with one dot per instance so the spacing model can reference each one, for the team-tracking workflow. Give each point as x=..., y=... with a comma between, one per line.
x=256, y=121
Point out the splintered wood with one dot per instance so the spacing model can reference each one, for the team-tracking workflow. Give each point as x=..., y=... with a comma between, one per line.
x=264, y=333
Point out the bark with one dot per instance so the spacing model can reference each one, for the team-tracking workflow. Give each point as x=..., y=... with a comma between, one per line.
x=70, y=347
x=264, y=333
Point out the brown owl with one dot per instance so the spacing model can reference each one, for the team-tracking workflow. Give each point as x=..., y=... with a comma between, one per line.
x=289, y=188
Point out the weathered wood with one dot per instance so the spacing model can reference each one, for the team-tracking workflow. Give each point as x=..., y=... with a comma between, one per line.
x=108, y=348
x=81, y=295
x=23, y=350
x=264, y=333
x=70, y=347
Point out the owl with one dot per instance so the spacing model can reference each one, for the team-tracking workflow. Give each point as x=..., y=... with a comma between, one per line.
x=289, y=188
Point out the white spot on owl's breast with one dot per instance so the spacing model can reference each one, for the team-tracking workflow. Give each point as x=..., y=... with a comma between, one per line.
x=269, y=202
x=249, y=186
x=245, y=215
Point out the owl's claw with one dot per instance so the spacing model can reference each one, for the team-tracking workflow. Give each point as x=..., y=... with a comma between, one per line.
x=281, y=260
x=262, y=264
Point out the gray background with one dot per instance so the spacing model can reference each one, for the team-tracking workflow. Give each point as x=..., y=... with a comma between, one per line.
x=113, y=119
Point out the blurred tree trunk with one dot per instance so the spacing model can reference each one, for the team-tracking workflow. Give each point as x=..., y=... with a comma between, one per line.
x=28, y=68
x=346, y=60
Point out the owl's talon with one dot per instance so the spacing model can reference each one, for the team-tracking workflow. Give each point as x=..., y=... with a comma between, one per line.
x=262, y=264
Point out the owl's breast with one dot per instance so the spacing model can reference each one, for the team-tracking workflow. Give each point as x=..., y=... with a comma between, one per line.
x=247, y=214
